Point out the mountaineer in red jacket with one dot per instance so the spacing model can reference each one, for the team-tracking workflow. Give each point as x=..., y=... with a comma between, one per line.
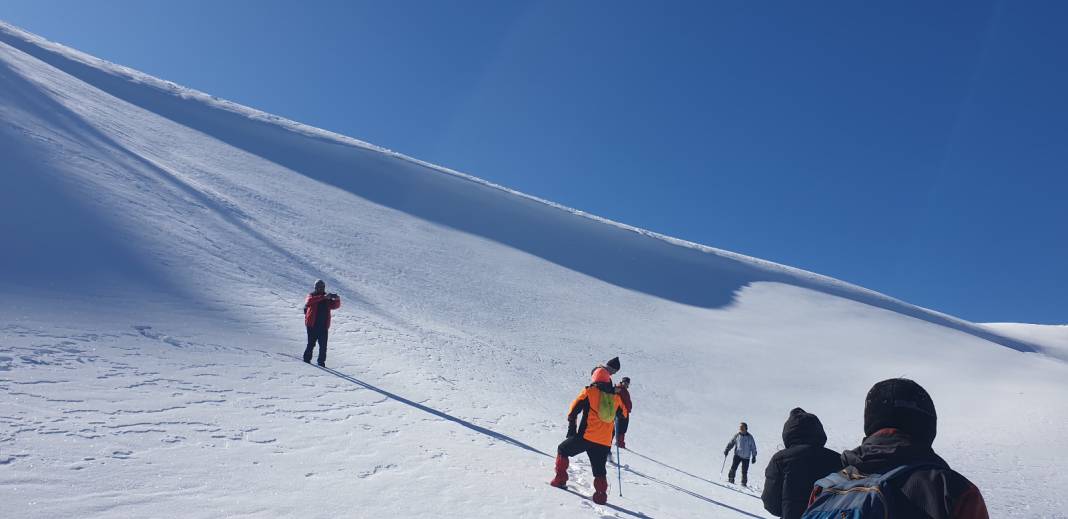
x=317, y=307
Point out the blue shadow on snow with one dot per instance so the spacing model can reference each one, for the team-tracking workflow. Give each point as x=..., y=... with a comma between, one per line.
x=612, y=254
x=512, y=441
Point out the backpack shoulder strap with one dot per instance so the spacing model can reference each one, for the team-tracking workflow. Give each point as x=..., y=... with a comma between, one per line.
x=833, y=479
x=842, y=479
x=903, y=471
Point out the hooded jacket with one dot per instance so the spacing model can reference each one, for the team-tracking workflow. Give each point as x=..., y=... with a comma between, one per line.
x=792, y=471
x=598, y=404
x=743, y=444
x=933, y=492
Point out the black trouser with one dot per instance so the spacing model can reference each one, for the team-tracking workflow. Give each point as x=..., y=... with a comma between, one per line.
x=734, y=468
x=316, y=334
x=621, y=424
x=598, y=453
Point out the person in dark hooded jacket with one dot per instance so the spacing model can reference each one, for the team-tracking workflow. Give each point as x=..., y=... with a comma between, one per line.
x=900, y=424
x=792, y=471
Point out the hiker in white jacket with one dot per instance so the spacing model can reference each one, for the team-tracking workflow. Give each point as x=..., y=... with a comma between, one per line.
x=745, y=450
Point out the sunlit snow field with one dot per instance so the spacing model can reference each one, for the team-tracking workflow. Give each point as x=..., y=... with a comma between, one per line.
x=158, y=243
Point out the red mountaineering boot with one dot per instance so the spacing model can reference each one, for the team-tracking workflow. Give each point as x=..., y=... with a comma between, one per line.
x=600, y=487
x=560, y=481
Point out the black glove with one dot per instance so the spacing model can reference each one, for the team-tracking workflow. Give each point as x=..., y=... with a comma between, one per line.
x=754, y=459
x=571, y=430
x=725, y=453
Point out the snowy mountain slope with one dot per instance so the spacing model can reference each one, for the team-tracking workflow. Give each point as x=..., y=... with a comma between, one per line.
x=404, y=184
x=1049, y=339
x=161, y=242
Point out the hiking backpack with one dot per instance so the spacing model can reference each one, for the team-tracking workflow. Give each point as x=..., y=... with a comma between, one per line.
x=868, y=497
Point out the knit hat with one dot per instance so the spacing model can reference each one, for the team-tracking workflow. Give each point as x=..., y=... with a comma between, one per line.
x=601, y=375
x=901, y=404
x=320, y=283
x=613, y=365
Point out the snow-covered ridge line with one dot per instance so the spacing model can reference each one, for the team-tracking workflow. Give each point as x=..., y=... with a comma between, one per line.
x=804, y=277
x=152, y=332
x=176, y=90
x=1051, y=339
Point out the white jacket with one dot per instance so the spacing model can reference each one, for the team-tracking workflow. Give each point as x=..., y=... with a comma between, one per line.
x=744, y=445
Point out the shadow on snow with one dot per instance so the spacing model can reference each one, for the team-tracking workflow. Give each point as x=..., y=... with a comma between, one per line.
x=709, y=481
x=615, y=255
x=514, y=442
x=617, y=508
x=440, y=414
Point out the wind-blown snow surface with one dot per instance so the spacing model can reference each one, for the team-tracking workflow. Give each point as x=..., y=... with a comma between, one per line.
x=157, y=246
x=1049, y=339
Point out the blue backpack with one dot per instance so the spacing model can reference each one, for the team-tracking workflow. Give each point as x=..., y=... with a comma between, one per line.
x=871, y=496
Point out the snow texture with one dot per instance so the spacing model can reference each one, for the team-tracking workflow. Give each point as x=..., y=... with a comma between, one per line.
x=158, y=242
x=1049, y=339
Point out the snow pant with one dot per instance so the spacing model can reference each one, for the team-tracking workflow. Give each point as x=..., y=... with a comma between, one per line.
x=316, y=335
x=621, y=430
x=598, y=453
x=621, y=424
x=734, y=468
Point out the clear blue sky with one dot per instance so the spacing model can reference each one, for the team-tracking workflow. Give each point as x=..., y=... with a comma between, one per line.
x=916, y=148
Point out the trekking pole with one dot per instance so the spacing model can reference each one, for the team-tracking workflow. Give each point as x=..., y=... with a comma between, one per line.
x=724, y=465
x=619, y=470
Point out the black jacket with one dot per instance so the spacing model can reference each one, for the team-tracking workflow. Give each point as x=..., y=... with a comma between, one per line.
x=793, y=470
x=937, y=492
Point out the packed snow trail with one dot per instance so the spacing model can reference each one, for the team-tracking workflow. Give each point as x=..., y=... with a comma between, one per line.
x=148, y=312
x=129, y=401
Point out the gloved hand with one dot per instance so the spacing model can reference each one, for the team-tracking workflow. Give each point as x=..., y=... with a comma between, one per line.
x=725, y=453
x=754, y=459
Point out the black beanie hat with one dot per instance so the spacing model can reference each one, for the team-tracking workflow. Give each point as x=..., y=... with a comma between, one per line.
x=613, y=365
x=902, y=404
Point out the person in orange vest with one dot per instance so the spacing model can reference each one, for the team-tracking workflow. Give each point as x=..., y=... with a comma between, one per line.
x=592, y=433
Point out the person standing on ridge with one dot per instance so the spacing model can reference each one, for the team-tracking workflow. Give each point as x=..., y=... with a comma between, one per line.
x=623, y=420
x=592, y=434
x=793, y=470
x=317, y=308
x=896, y=458
x=745, y=450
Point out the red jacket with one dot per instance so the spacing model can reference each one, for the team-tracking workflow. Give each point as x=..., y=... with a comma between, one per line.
x=624, y=394
x=311, y=308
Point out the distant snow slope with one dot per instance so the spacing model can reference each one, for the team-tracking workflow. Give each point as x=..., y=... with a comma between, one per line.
x=1049, y=339
x=157, y=246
